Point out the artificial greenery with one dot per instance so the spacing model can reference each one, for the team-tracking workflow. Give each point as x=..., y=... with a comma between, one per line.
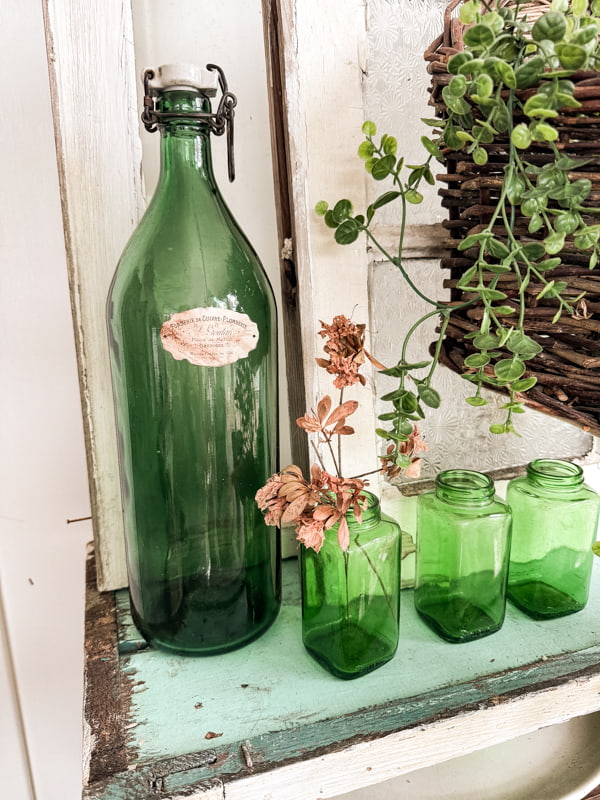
x=510, y=82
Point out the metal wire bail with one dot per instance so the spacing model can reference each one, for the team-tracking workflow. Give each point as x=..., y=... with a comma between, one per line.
x=219, y=123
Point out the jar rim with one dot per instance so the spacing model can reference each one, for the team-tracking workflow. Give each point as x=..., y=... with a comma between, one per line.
x=554, y=470
x=465, y=485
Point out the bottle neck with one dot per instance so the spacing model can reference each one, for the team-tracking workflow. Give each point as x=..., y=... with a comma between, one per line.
x=554, y=474
x=371, y=513
x=464, y=487
x=185, y=144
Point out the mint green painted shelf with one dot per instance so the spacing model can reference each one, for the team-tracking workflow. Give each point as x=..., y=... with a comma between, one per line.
x=259, y=722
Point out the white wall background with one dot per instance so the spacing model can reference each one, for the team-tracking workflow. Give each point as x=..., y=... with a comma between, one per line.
x=42, y=474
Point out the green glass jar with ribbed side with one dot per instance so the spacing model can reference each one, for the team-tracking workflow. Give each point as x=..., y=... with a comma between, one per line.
x=193, y=345
x=463, y=542
x=555, y=520
x=351, y=599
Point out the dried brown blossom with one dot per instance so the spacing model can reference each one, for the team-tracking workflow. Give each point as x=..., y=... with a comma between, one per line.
x=345, y=347
x=318, y=504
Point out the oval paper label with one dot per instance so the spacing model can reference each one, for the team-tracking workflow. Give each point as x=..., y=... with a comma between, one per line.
x=209, y=337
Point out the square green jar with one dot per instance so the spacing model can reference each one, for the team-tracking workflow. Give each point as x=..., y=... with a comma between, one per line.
x=463, y=543
x=555, y=519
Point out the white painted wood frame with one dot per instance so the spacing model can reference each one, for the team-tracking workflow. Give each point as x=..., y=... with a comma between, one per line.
x=92, y=78
x=323, y=46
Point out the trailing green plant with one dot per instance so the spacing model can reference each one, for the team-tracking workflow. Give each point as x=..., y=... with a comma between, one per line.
x=510, y=83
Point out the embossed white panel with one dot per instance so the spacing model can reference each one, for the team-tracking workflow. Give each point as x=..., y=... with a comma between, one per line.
x=395, y=99
x=396, y=87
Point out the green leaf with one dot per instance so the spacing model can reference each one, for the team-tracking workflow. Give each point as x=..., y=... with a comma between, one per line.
x=524, y=384
x=407, y=402
x=390, y=146
x=480, y=156
x=451, y=138
x=429, y=396
x=413, y=196
x=566, y=222
x=431, y=147
x=522, y=345
x=468, y=12
x=554, y=243
x=542, y=132
x=498, y=428
x=458, y=86
x=473, y=239
x=515, y=186
x=539, y=105
x=535, y=223
x=347, y=232
x=484, y=85
x=585, y=35
x=504, y=311
x=466, y=277
x=497, y=248
x=321, y=208
x=385, y=198
x=485, y=341
x=329, y=220
x=342, y=210
x=571, y=56
x=383, y=167
x=369, y=128
x=476, y=401
x=552, y=26
x=533, y=250
x=529, y=73
x=578, y=7
x=366, y=150
x=477, y=360
x=457, y=61
x=506, y=74
x=520, y=136
x=509, y=369
x=479, y=37
x=403, y=427
x=456, y=104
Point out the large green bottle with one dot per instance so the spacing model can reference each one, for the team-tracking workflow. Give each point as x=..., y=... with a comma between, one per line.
x=192, y=328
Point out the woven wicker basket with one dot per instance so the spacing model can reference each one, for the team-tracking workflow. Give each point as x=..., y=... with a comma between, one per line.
x=567, y=370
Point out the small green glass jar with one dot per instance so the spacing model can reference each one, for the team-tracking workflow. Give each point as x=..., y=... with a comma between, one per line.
x=351, y=599
x=463, y=543
x=555, y=519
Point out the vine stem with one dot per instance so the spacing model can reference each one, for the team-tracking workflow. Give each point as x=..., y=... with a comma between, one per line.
x=398, y=264
x=377, y=575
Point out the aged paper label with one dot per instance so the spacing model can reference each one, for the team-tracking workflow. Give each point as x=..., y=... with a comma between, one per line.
x=209, y=337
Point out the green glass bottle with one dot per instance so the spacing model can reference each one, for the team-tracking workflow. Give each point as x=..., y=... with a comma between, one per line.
x=555, y=519
x=192, y=330
x=463, y=543
x=351, y=599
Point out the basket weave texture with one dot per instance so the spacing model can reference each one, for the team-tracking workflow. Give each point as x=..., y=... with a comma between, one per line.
x=567, y=371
